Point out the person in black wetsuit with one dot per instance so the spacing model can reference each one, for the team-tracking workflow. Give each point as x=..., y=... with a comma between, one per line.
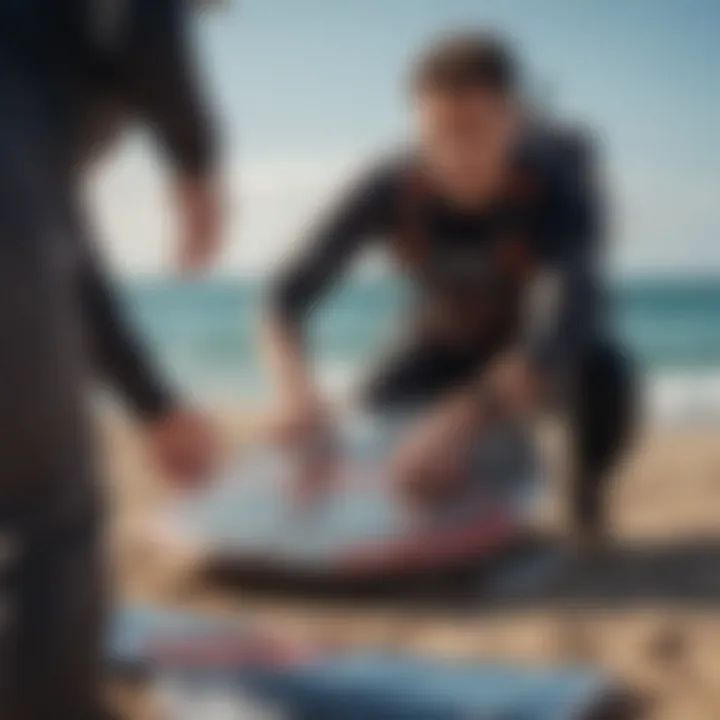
x=497, y=220
x=67, y=68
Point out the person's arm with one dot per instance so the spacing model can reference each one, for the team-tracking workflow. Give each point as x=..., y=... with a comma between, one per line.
x=160, y=80
x=120, y=358
x=180, y=440
x=159, y=77
x=563, y=304
x=324, y=256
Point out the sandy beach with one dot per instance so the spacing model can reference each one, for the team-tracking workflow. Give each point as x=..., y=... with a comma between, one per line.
x=648, y=612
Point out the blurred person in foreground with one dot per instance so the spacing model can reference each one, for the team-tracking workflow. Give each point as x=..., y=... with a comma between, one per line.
x=71, y=71
x=496, y=217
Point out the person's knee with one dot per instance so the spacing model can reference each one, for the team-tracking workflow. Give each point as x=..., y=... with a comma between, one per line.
x=606, y=403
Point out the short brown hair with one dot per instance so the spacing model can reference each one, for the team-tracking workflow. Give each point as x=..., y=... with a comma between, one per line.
x=467, y=61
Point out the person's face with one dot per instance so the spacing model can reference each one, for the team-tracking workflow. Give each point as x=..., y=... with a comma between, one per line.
x=465, y=139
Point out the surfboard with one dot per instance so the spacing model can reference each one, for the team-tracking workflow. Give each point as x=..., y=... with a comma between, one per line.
x=280, y=678
x=359, y=526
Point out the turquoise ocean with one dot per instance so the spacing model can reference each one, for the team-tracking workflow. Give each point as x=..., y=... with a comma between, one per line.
x=205, y=334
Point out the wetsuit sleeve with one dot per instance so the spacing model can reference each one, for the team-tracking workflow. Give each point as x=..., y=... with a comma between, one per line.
x=160, y=79
x=120, y=357
x=564, y=303
x=363, y=213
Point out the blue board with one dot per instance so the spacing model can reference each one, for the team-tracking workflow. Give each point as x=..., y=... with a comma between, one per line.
x=313, y=684
x=359, y=524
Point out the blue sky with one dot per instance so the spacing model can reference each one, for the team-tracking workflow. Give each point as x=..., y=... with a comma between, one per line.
x=311, y=89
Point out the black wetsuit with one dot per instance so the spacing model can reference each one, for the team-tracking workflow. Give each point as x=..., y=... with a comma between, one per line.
x=523, y=273
x=63, y=63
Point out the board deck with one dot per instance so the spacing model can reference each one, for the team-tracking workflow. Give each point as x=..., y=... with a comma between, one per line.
x=359, y=526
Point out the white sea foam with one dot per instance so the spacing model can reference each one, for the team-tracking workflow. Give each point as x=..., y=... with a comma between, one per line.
x=683, y=397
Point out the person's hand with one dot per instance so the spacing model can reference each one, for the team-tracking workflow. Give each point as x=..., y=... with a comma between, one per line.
x=199, y=204
x=302, y=426
x=297, y=421
x=515, y=385
x=430, y=463
x=183, y=446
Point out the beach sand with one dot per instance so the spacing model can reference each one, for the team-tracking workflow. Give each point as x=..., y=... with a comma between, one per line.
x=648, y=612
